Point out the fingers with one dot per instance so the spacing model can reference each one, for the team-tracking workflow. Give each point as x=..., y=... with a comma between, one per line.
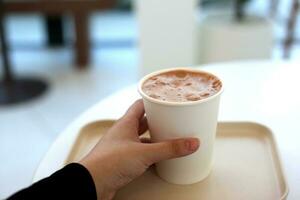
x=136, y=110
x=145, y=140
x=170, y=149
x=143, y=126
x=132, y=124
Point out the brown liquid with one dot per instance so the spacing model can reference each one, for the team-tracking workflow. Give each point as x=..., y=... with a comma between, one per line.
x=181, y=86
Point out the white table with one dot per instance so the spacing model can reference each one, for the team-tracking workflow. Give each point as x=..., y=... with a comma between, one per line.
x=263, y=92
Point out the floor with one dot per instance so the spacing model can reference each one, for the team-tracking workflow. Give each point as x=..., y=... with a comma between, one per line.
x=114, y=66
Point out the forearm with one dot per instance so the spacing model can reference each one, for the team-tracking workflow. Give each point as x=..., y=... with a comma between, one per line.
x=72, y=182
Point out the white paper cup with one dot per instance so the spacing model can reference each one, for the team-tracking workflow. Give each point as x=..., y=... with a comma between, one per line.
x=170, y=120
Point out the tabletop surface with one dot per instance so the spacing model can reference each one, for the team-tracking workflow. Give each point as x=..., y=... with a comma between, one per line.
x=263, y=92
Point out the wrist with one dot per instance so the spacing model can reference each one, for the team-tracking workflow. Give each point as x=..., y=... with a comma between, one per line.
x=104, y=192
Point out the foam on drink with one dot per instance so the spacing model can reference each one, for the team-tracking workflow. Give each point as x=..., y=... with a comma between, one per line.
x=181, y=86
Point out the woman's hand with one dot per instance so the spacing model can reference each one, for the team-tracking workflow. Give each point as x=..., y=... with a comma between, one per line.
x=122, y=155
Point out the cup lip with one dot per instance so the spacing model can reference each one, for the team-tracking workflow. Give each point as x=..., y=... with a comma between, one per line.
x=169, y=103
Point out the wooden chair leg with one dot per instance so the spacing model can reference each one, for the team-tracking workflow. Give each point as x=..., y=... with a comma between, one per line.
x=7, y=73
x=82, y=47
x=291, y=29
x=55, y=30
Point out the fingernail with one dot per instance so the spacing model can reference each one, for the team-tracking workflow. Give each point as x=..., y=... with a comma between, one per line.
x=192, y=144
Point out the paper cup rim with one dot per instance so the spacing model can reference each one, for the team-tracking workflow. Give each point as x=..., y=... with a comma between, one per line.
x=169, y=103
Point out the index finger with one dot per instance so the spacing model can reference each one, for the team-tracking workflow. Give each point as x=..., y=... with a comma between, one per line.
x=131, y=121
x=136, y=110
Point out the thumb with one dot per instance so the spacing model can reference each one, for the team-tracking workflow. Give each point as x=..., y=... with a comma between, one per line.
x=156, y=152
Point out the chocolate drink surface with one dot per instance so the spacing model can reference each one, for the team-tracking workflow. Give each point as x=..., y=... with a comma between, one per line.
x=181, y=86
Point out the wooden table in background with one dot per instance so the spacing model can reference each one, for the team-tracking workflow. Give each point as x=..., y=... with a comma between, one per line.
x=80, y=9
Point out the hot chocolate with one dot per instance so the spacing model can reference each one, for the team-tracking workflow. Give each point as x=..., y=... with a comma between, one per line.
x=181, y=86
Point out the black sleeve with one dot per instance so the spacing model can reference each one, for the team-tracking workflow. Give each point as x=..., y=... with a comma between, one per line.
x=71, y=182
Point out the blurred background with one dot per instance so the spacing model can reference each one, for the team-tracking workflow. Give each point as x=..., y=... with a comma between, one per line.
x=59, y=57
